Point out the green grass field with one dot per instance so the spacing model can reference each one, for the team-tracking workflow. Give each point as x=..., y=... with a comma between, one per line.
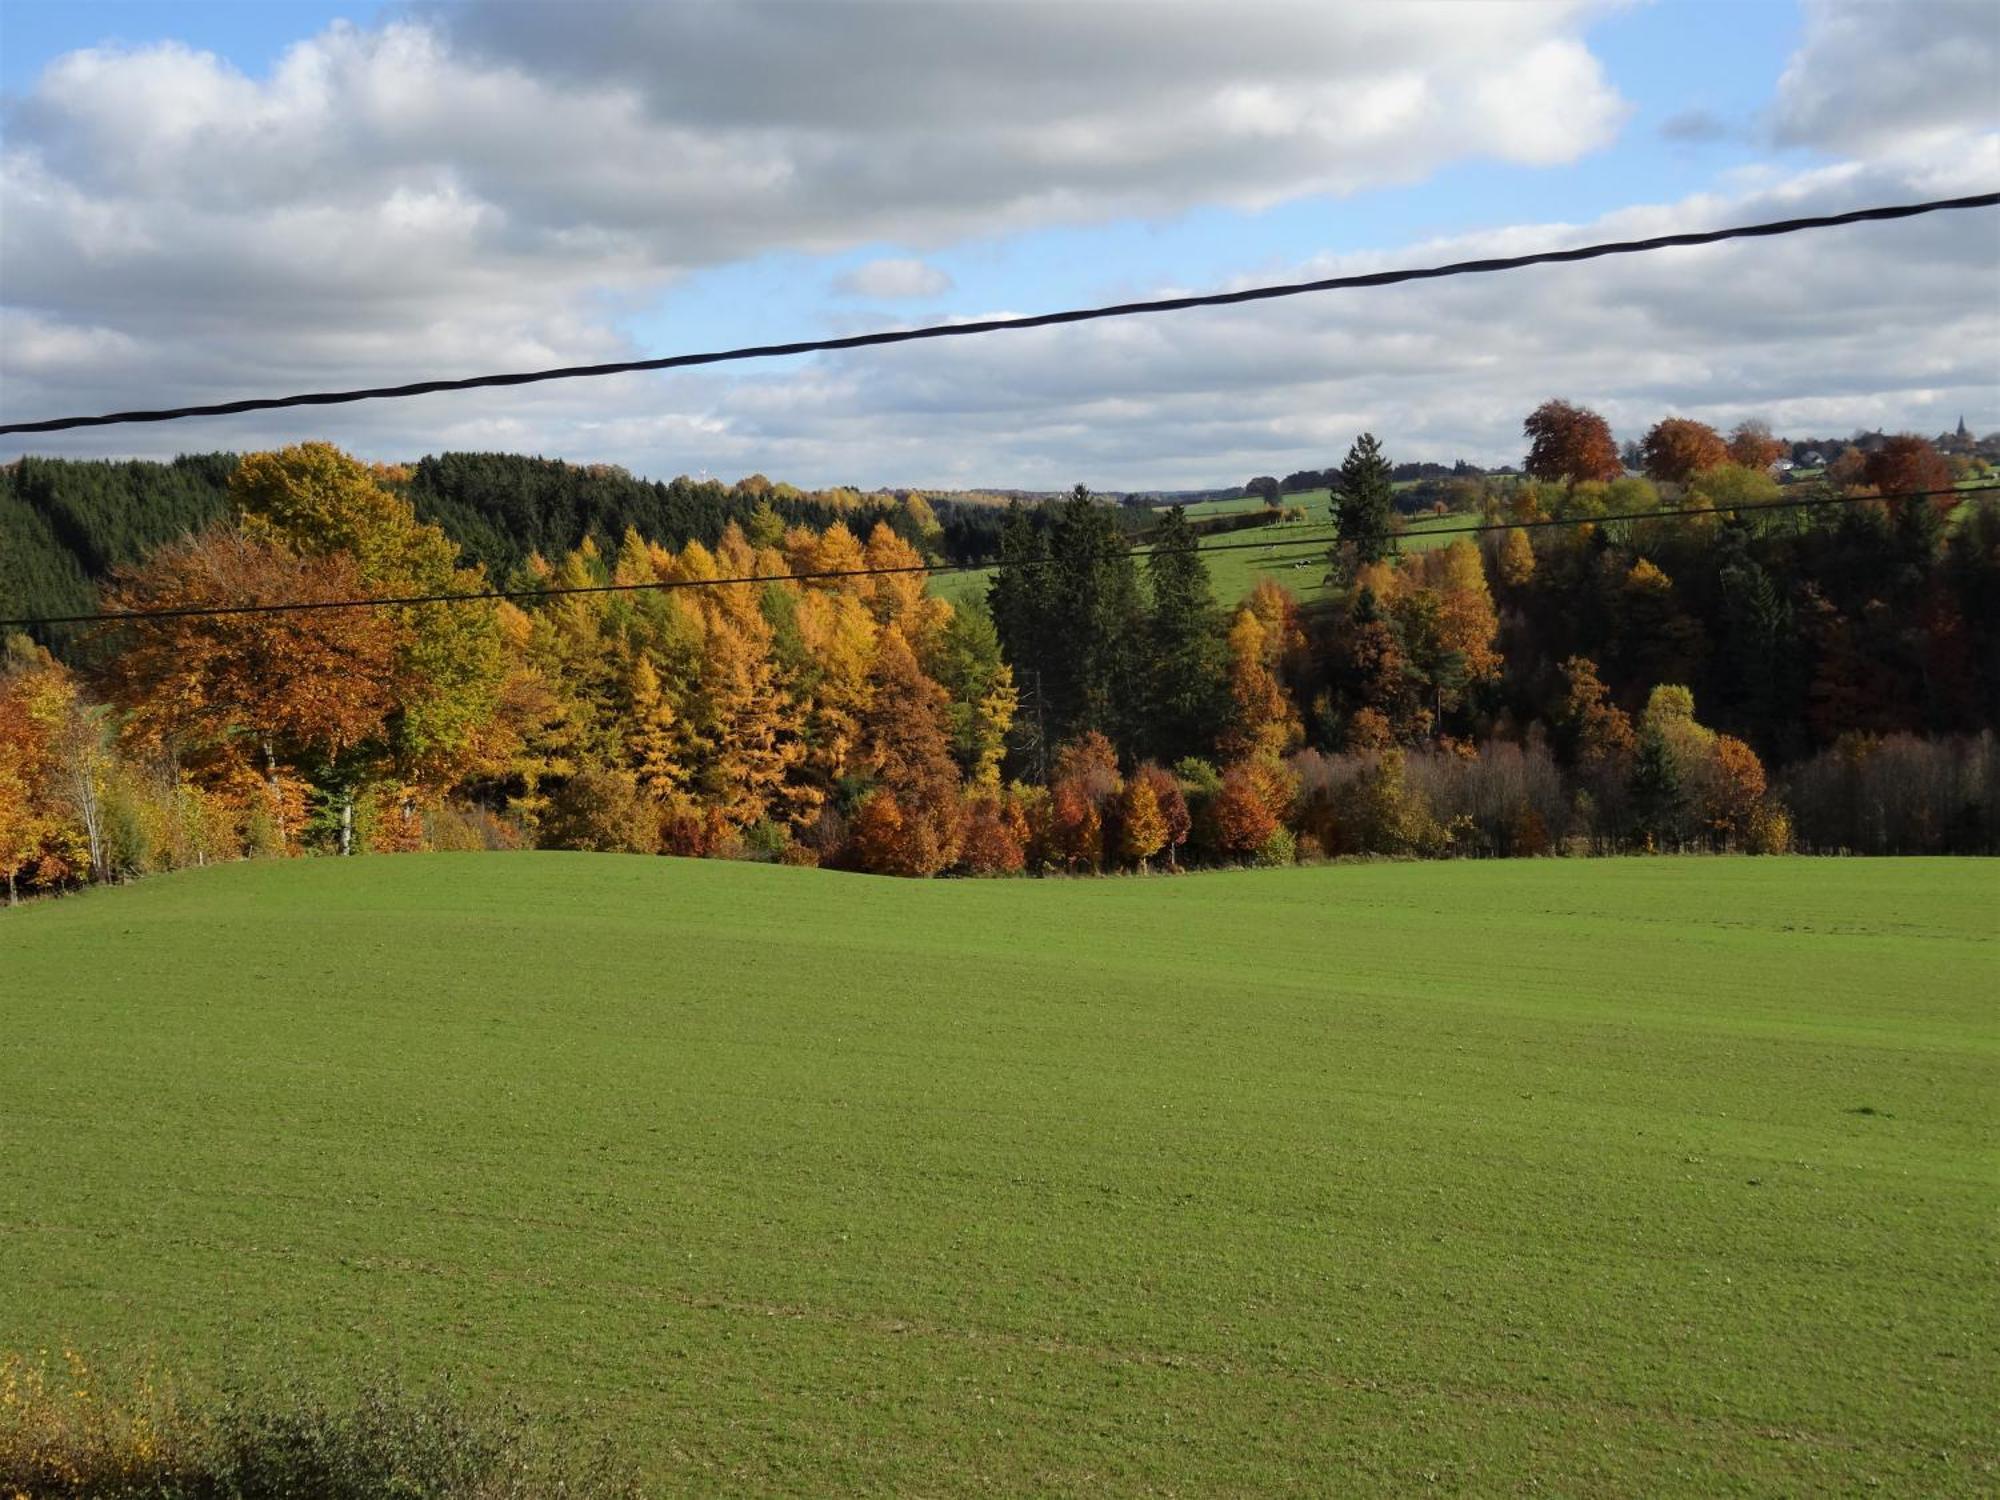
x=1644, y=1177
x=1293, y=554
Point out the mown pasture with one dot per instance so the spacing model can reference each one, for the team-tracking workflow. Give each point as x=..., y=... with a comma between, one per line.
x=1636, y=1177
x=1293, y=553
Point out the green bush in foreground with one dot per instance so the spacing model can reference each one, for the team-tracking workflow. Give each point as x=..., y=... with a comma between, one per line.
x=65, y=1434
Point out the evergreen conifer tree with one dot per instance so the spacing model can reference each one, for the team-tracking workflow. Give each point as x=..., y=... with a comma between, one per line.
x=1188, y=678
x=1362, y=506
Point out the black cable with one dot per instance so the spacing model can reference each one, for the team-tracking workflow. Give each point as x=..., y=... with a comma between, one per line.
x=1038, y=320
x=929, y=569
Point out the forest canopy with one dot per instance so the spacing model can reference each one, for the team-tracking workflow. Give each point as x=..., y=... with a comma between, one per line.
x=1728, y=675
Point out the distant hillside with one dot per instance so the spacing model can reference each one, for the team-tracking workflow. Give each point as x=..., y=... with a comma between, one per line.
x=66, y=523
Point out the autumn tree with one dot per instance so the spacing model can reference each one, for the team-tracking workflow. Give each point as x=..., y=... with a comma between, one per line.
x=993, y=836
x=656, y=741
x=1736, y=793
x=46, y=790
x=1679, y=448
x=905, y=743
x=1467, y=622
x=1076, y=826
x=966, y=661
x=1599, y=738
x=1142, y=827
x=1262, y=717
x=918, y=523
x=1240, y=814
x=1514, y=559
x=1372, y=667
x=835, y=638
x=895, y=593
x=1569, y=442
x=601, y=810
x=313, y=687
x=1083, y=800
x=748, y=728
x=1171, y=801
x=1907, y=464
x=20, y=834
x=317, y=502
x=1752, y=446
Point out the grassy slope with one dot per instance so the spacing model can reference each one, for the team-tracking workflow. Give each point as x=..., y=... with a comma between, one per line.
x=1355, y=1180
x=1234, y=571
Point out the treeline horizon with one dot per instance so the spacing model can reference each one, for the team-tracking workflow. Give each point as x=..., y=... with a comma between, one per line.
x=66, y=524
x=1736, y=680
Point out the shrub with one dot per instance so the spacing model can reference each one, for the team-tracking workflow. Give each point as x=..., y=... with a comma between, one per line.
x=992, y=837
x=1281, y=848
x=600, y=811
x=1770, y=829
x=765, y=841
x=891, y=841
x=65, y=1435
x=468, y=830
x=1240, y=816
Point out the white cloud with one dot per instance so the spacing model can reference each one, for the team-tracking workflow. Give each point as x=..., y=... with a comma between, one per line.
x=1880, y=325
x=488, y=186
x=1891, y=79
x=894, y=278
x=486, y=190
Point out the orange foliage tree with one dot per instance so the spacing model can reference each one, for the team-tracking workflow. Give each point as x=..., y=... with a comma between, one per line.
x=1262, y=718
x=1906, y=464
x=906, y=744
x=1679, y=448
x=994, y=835
x=1241, y=814
x=1172, y=804
x=1569, y=442
x=293, y=686
x=1752, y=446
x=1142, y=826
x=1735, y=792
x=42, y=839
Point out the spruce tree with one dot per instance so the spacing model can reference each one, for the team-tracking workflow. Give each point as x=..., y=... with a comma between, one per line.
x=1187, y=683
x=1018, y=601
x=1362, y=506
x=1096, y=623
x=1659, y=800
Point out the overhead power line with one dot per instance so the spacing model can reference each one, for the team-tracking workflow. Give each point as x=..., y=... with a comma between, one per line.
x=299, y=606
x=1038, y=320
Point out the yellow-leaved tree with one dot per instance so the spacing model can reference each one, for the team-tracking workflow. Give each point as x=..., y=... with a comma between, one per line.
x=318, y=501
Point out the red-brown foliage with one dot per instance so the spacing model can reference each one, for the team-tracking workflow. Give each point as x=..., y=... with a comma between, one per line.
x=1569, y=442
x=1904, y=464
x=1679, y=448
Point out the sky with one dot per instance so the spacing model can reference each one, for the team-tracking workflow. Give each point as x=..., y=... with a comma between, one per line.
x=201, y=201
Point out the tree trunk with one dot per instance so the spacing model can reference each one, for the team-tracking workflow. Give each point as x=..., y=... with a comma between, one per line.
x=93, y=823
x=346, y=820
x=13, y=896
x=277, y=797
